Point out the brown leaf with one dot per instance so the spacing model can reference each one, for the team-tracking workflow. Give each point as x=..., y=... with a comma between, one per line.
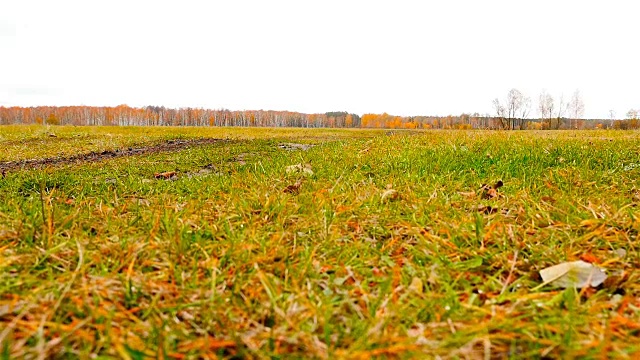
x=293, y=189
x=326, y=269
x=353, y=225
x=490, y=192
x=548, y=199
x=590, y=258
x=469, y=194
x=486, y=209
x=377, y=272
x=165, y=175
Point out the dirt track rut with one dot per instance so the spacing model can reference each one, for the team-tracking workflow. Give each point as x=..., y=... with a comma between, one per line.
x=169, y=145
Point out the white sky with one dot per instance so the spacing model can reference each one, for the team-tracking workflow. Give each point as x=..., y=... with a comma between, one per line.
x=400, y=57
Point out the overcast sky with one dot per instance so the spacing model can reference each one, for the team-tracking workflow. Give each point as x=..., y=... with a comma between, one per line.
x=399, y=57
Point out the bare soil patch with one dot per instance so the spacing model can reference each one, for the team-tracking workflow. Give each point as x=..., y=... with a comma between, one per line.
x=169, y=145
x=295, y=146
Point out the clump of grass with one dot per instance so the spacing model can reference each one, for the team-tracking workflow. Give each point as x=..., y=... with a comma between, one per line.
x=105, y=259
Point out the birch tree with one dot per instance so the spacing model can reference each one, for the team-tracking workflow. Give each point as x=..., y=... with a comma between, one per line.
x=576, y=108
x=516, y=107
x=546, y=107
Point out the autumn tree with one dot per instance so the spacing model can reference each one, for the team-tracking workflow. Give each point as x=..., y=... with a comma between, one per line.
x=52, y=119
x=632, y=119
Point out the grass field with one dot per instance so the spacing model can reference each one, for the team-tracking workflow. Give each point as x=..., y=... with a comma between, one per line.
x=300, y=243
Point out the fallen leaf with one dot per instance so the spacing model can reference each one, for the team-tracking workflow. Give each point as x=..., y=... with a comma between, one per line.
x=377, y=272
x=416, y=285
x=299, y=168
x=168, y=175
x=8, y=235
x=621, y=253
x=293, y=189
x=590, y=258
x=487, y=209
x=577, y=274
x=490, y=192
x=390, y=195
x=433, y=275
x=469, y=194
x=353, y=225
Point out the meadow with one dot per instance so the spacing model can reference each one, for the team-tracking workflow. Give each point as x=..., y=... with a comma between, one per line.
x=315, y=243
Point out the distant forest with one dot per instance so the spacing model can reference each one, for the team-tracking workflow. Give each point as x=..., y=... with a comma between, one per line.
x=124, y=115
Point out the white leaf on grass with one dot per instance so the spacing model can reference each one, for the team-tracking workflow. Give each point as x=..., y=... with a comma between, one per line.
x=389, y=194
x=299, y=168
x=621, y=253
x=577, y=274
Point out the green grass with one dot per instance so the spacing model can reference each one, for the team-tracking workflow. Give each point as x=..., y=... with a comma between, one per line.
x=104, y=260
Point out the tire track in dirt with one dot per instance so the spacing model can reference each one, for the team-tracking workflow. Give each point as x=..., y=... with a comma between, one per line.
x=95, y=156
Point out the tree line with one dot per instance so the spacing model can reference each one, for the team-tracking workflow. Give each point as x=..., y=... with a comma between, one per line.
x=124, y=115
x=514, y=111
x=511, y=113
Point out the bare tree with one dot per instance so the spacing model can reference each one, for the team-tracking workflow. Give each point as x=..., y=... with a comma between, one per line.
x=524, y=112
x=562, y=109
x=546, y=107
x=515, y=108
x=576, y=108
x=612, y=117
